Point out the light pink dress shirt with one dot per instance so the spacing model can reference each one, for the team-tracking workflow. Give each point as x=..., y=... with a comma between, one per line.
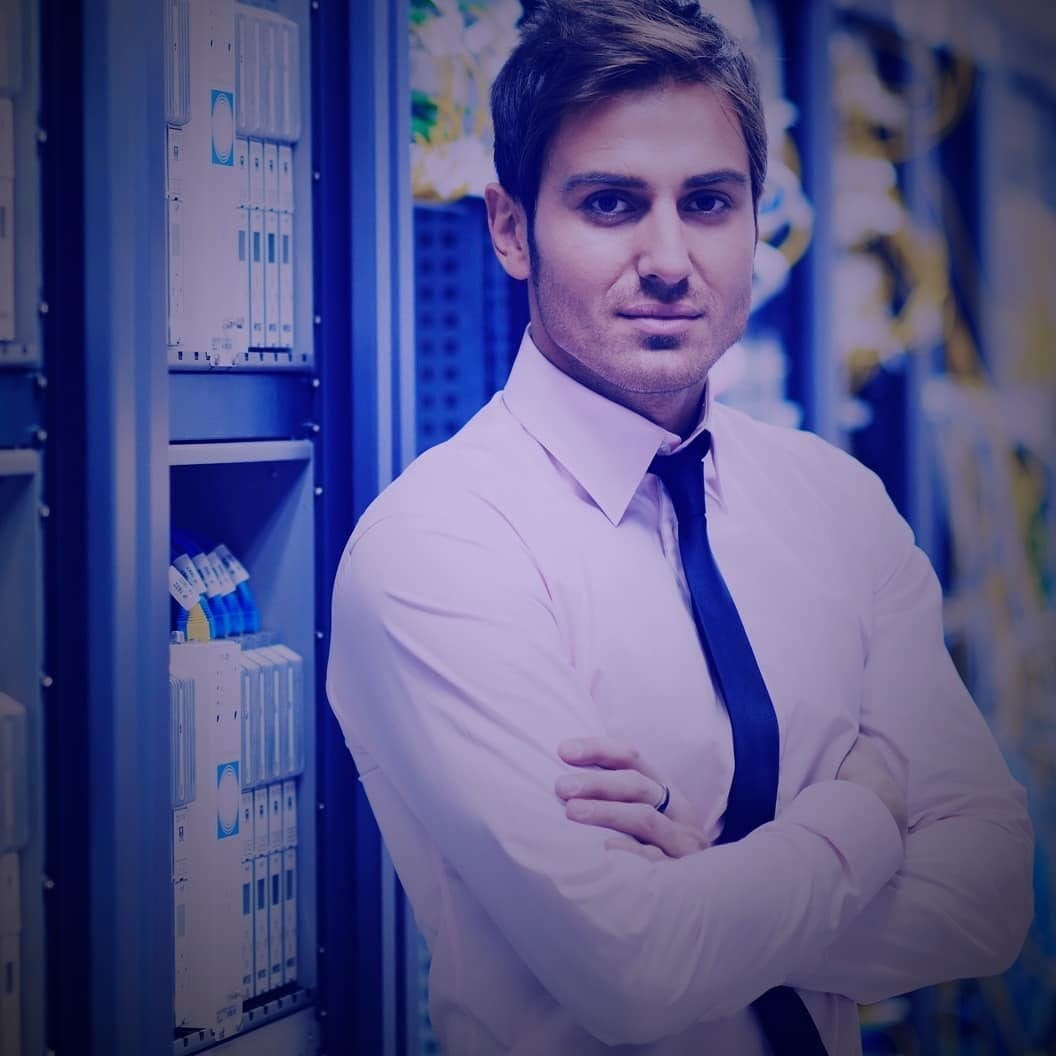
x=521, y=584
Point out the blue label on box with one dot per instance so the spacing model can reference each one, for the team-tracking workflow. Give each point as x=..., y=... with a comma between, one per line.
x=222, y=112
x=228, y=799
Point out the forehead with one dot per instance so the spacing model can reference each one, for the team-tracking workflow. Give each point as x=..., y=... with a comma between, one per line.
x=663, y=134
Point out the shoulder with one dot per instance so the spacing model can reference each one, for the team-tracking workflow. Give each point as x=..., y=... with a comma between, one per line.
x=452, y=512
x=793, y=463
x=796, y=479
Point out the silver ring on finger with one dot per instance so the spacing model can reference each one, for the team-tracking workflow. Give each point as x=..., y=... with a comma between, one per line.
x=665, y=799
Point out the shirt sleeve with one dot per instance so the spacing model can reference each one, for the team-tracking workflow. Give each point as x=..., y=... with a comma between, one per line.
x=449, y=667
x=960, y=904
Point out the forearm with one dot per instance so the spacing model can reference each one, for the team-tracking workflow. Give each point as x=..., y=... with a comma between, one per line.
x=958, y=907
x=755, y=908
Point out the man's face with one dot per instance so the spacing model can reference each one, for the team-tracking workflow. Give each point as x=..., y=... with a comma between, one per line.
x=644, y=238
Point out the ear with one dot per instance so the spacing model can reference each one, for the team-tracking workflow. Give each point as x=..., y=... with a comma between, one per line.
x=509, y=231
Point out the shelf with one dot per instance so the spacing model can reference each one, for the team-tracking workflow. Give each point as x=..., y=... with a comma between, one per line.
x=19, y=462
x=240, y=452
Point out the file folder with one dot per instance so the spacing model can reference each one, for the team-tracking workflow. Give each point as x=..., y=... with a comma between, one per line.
x=285, y=178
x=289, y=915
x=271, y=279
x=260, y=823
x=209, y=924
x=285, y=280
x=247, y=929
x=257, y=307
x=271, y=175
x=276, y=830
x=289, y=813
x=247, y=73
x=276, y=971
x=261, y=910
x=256, y=174
x=292, y=714
x=249, y=845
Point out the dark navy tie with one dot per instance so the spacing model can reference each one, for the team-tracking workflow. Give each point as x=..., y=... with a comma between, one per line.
x=756, y=745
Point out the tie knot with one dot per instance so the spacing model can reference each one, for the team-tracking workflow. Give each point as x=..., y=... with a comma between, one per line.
x=682, y=475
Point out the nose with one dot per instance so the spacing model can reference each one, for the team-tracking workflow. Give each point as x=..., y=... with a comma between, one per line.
x=663, y=255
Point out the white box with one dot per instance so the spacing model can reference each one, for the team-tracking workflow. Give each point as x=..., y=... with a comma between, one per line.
x=250, y=698
x=289, y=813
x=261, y=911
x=267, y=726
x=247, y=929
x=177, y=62
x=257, y=307
x=291, y=62
x=285, y=178
x=249, y=844
x=285, y=280
x=276, y=830
x=247, y=73
x=237, y=320
x=256, y=173
x=271, y=175
x=242, y=168
x=175, y=163
x=213, y=838
x=177, y=298
x=289, y=915
x=276, y=972
x=260, y=821
x=278, y=659
x=291, y=718
x=271, y=279
x=11, y=995
x=186, y=1001
x=266, y=33
x=209, y=328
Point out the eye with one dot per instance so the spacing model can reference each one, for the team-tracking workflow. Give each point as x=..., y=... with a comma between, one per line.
x=607, y=204
x=707, y=204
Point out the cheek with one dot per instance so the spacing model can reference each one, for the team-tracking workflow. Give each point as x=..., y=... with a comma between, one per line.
x=580, y=262
x=729, y=265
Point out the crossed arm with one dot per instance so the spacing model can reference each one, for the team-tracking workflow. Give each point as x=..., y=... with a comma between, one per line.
x=450, y=642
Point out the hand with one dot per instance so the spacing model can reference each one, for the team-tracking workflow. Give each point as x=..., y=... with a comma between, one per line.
x=878, y=765
x=620, y=791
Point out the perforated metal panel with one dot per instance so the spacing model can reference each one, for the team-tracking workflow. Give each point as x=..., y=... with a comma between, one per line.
x=449, y=312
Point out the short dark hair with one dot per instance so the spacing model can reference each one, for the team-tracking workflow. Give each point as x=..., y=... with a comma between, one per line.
x=573, y=53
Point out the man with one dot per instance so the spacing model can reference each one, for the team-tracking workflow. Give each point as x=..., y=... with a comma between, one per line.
x=673, y=782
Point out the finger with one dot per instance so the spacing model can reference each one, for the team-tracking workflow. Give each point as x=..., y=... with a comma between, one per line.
x=627, y=786
x=606, y=752
x=641, y=822
x=632, y=819
x=643, y=850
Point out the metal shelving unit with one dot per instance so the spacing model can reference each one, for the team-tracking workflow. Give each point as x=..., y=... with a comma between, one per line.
x=277, y=464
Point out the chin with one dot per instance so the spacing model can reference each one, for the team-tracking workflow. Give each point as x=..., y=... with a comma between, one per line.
x=662, y=342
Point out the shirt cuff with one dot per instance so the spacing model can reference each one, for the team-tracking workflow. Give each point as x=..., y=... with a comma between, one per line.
x=855, y=821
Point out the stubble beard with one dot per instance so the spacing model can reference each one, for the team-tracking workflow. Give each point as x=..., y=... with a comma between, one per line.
x=609, y=386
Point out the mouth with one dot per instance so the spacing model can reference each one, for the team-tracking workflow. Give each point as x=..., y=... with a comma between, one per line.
x=660, y=320
x=660, y=312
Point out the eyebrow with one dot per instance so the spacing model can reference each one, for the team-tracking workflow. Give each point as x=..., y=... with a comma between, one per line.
x=634, y=183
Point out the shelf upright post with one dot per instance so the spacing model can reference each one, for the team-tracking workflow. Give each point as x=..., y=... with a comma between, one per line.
x=125, y=612
x=365, y=356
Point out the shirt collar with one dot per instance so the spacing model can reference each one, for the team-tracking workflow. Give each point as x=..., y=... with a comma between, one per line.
x=605, y=446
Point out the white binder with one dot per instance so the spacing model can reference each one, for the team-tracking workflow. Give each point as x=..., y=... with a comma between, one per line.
x=289, y=915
